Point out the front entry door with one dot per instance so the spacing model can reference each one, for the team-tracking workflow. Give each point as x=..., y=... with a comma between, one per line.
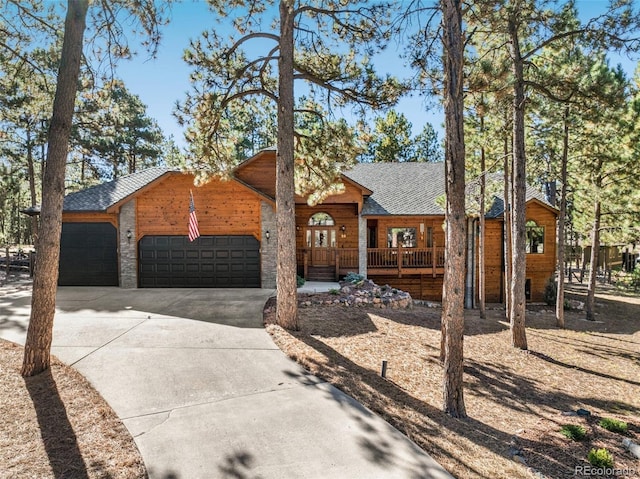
x=321, y=240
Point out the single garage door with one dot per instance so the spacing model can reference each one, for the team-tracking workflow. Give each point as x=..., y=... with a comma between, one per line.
x=207, y=262
x=88, y=255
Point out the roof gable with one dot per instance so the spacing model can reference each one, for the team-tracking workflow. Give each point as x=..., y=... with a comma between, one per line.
x=105, y=195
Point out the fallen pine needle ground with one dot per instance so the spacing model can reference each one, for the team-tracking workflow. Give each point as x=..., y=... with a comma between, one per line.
x=55, y=425
x=515, y=400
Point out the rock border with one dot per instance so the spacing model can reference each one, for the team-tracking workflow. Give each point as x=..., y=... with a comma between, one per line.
x=361, y=294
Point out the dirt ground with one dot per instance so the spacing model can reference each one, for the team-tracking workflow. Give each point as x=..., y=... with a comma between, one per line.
x=515, y=400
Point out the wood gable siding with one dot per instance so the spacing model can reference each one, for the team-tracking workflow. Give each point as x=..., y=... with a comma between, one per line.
x=260, y=172
x=222, y=208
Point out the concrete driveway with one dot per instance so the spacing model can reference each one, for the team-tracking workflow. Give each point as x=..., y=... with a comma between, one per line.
x=206, y=393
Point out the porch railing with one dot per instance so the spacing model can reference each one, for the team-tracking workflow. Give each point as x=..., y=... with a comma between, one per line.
x=343, y=260
x=379, y=260
x=409, y=260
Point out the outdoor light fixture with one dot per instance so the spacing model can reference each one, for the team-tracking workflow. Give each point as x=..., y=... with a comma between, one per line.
x=421, y=231
x=343, y=231
x=129, y=235
x=267, y=235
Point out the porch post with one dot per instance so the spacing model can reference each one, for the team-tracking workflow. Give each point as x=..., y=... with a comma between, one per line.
x=362, y=245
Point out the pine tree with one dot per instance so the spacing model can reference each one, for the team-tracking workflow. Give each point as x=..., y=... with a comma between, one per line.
x=323, y=44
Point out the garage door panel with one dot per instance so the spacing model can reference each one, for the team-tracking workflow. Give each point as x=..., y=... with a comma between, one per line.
x=88, y=255
x=207, y=241
x=208, y=262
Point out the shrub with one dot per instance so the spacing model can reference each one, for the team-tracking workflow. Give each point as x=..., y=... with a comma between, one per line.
x=354, y=278
x=334, y=291
x=550, y=292
x=600, y=458
x=573, y=432
x=300, y=281
x=614, y=425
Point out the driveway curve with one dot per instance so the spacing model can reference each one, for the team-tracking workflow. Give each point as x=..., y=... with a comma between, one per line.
x=205, y=392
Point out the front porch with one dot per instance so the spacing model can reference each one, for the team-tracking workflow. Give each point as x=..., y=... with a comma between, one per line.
x=380, y=261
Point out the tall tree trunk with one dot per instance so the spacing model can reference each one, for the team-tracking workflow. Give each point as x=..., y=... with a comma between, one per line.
x=287, y=293
x=518, y=205
x=561, y=220
x=507, y=230
x=481, y=249
x=37, y=350
x=453, y=291
x=31, y=171
x=593, y=271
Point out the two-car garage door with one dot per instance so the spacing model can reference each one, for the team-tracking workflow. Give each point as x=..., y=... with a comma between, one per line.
x=207, y=262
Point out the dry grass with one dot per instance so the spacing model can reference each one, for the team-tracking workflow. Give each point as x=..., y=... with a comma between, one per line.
x=514, y=399
x=55, y=425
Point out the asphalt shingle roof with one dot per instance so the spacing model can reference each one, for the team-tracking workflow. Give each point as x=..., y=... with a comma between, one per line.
x=400, y=188
x=101, y=197
x=409, y=189
x=413, y=189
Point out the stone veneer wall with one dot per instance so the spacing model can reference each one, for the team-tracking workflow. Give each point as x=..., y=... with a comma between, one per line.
x=268, y=249
x=362, y=245
x=128, y=247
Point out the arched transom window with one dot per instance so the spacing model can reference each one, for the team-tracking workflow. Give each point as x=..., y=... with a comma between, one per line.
x=321, y=219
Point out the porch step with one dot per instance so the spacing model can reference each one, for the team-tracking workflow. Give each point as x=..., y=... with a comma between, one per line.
x=317, y=273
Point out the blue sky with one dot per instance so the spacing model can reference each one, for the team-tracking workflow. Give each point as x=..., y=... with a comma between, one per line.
x=162, y=81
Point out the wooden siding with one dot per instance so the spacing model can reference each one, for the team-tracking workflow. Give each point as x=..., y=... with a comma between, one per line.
x=352, y=194
x=424, y=287
x=540, y=267
x=90, y=217
x=222, y=207
x=260, y=173
x=434, y=222
x=342, y=215
x=493, y=261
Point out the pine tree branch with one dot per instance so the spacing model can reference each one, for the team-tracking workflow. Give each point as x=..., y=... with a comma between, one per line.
x=346, y=92
x=250, y=36
x=552, y=39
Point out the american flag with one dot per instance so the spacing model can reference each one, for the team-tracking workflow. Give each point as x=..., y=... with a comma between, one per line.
x=194, y=232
